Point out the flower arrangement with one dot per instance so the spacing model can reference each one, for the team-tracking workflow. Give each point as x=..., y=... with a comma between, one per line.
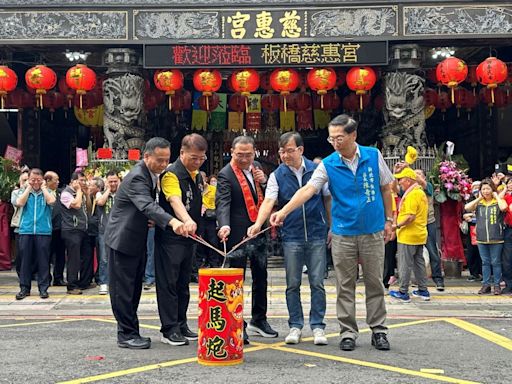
x=450, y=181
x=9, y=176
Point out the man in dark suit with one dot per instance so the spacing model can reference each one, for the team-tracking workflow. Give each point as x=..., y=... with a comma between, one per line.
x=238, y=198
x=125, y=239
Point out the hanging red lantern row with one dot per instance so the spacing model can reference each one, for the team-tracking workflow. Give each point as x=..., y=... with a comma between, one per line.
x=451, y=72
x=68, y=92
x=270, y=102
x=237, y=103
x=245, y=81
x=208, y=82
x=472, y=79
x=288, y=102
x=182, y=100
x=209, y=103
x=443, y=102
x=8, y=83
x=89, y=100
x=41, y=79
x=361, y=80
x=491, y=72
x=461, y=97
x=430, y=97
x=303, y=101
x=19, y=98
x=284, y=81
x=169, y=81
x=471, y=103
x=82, y=79
x=332, y=101
x=53, y=100
x=321, y=80
x=352, y=102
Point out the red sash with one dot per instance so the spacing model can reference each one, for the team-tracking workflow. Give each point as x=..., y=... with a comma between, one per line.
x=250, y=205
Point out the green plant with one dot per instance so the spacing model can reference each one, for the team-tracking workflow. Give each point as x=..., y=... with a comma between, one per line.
x=9, y=177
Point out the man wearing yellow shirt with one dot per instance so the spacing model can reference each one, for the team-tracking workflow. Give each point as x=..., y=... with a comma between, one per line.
x=411, y=230
x=181, y=196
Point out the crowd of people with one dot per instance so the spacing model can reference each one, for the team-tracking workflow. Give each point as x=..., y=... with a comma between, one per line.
x=349, y=205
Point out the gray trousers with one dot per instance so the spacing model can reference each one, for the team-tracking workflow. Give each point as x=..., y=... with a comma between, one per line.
x=369, y=251
x=410, y=257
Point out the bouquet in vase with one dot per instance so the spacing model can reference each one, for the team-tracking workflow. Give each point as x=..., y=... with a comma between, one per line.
x=450, y=181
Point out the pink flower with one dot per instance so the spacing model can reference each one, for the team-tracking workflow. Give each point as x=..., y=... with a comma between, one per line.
x=449, y=186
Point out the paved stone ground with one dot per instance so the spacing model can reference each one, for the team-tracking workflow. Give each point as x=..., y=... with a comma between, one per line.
x=458, y=337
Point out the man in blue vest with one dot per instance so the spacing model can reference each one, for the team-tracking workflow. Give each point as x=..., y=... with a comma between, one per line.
x=304, y=235
x=360, y=185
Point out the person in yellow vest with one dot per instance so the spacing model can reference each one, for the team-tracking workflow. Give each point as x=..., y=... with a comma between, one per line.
x=209, y=232
x=411, y=229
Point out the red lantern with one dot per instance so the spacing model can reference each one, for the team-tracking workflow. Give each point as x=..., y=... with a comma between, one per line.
x=89, y=100
x=169, y=81
x=288, y=102
x=245, y=81
x=19, y=98
x=207, y=103
x=430, y=97
x=284, y=81
x=182, y=100
x=270, y=102
x=41, y=79
x=451, y=72
x=8, y=82
x=207, y=81
x=361, y=80
x=66, y=91
x=237, y=102
x=350, y=103
x=443, y=101
x=332, y=101
x=152, y=97
x=490, y=73
x=461, y=97
x=321, y=80
x=500, y=98
x=472, y=78
x=341, y=78
x=53, y=100
x=81, y=78
x=303, y=101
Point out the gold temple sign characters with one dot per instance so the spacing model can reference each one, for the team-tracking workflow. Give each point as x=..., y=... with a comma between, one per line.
x=263, y=26
x=216, y=291
x=350, y=52
x=216, y=322
x=238, y=21
x=289, y=22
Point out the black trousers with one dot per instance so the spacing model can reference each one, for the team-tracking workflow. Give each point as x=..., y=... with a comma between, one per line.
x=125, y=284
x=256, y=251
x=173, y=267
x=209, y=233
x=87, y=262
x=474, y=261
x=57, y=255
x=77, y=248
x=389, y=261
x=34, y=251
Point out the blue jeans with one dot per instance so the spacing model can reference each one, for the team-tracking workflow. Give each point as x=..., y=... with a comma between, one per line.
x=506, y=258
x=491, y=255
x=433, y=254
x=312, y=254
x=103, y=260
x=149, y=275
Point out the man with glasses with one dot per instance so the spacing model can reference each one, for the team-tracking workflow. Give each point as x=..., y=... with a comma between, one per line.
x=360, y=185
x=304, y=235
x=181, y=196
x=35, y=234
x=237, y=201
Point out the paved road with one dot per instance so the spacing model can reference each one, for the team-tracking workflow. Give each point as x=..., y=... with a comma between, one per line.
x=458, y=337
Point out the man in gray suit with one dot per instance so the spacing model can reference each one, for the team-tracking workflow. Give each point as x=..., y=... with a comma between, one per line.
x=125, y=239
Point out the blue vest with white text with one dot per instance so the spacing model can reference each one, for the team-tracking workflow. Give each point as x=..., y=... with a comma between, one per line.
x=357, y=205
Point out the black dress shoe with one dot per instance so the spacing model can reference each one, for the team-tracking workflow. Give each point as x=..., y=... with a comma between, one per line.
x=138, y=343
x=60, y=283
x=146, y=338
x=44, y=294
x=188, y=334
x=380, y=341
x=22, y=294
x=347, y=344
x=262, y=328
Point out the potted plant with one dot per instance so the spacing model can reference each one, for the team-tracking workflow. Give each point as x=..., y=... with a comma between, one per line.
x=9, y=176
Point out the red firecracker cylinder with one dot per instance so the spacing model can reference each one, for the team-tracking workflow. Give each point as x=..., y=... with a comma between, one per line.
x=220, y=322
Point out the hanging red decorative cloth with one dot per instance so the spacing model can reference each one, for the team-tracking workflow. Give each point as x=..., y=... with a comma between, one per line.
x=451, y=243
x=250, y=205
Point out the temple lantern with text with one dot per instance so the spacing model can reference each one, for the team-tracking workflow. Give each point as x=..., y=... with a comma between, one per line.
x=208, y=103
x=8, y=83
x=41, y=79
x=81, y=78
x=361, y=80
x=490, y=73
x=270, y=102
x=451, y=72
x=303, y=101
x=208, y=82
x=461, y=97
x=169, y=81
x=53, y=100
x=284, y=81
x=245, y=81
x=472, y=79
x=321, y=80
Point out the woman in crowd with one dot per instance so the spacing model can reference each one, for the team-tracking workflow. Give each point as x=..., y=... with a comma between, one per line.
x=489, y=208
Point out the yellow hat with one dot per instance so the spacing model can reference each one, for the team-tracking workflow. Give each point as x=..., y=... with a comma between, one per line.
x=406, y=172
x=411, y=155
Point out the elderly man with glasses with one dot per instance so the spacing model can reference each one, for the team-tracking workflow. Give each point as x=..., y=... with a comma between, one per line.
x=360, y=185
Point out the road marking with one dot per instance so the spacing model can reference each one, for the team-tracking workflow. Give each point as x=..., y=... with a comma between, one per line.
x=432, y=370
x=39, y=322
x=144, y=368
x=369, y=364
x=484, y=333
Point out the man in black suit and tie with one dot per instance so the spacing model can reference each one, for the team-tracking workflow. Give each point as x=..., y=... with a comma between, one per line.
x=238, y=198
x=125, y=239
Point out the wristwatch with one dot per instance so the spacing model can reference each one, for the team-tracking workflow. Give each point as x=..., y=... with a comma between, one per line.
x=390, y=219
